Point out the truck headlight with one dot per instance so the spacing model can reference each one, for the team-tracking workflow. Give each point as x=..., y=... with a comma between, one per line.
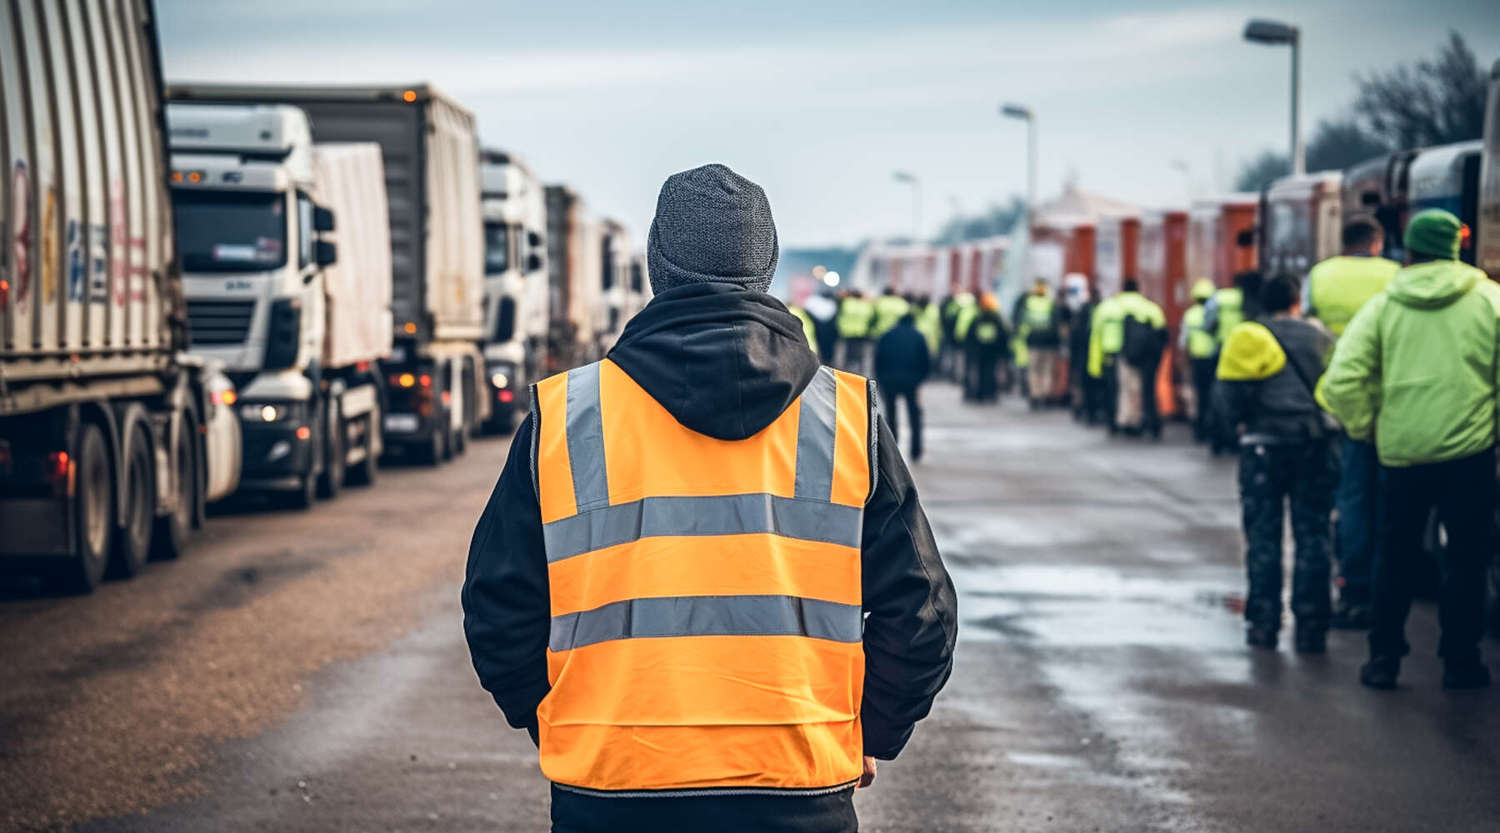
x=266, y=412
x=499, y=380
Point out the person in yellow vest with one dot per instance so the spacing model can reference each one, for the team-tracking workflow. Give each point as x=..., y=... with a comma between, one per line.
x=1336, y=289
x=929, y=324
x=890, y=308
x=855, y=322
x=951, y=359
x=1142, y=336
x=1226, y=309
x=1106, y=337
x=704, y=583
x=988, y=343
x=1202, y=349
x=807, y=325
x=1039, y=328
x=963, y=318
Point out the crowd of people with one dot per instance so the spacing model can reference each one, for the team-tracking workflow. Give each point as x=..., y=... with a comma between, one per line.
x=1363, y=404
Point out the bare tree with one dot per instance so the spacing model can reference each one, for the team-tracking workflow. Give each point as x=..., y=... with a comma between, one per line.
x=1434, y=102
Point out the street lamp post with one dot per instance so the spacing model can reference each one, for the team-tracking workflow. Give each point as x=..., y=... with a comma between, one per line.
x=916, y=202
x=1275, y=33
x=1016, y=111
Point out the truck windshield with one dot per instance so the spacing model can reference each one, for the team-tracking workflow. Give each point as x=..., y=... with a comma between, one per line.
x=496, y=248
x=230, y=231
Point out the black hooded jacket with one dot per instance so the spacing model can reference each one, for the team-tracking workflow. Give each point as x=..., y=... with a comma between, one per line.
x=725, y=362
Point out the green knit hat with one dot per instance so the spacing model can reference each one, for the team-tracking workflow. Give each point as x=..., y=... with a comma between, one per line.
x=1434, y=233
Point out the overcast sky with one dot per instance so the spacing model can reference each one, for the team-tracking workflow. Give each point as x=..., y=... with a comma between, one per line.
x=821, y=101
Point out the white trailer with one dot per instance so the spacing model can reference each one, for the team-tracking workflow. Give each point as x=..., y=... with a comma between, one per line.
x=515, y=284
x=102, y=456
x=259, y=208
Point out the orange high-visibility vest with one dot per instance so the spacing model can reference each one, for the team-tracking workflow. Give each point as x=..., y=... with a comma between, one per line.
x=706, y=607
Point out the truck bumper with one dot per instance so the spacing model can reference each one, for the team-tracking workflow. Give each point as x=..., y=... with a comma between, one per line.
x=276, y=459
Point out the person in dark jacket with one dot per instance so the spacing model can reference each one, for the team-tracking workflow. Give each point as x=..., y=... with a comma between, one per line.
x=902, y=363
x=1268, y=371
x=1087, y=396
x=724, y=360
x=987, y=343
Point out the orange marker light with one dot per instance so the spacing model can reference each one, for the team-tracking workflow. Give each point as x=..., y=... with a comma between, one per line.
x=406, y=380
x=177, y=176
x=409, y=96
x=194, y=176
x=230, y=397
x=410, y=328
x=303, y=432
x=426, y=381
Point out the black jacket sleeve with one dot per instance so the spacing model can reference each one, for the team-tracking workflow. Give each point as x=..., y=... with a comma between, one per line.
x=911, y=607
x=505, y=599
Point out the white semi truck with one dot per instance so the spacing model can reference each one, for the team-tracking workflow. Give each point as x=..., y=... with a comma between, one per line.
x=515, y=283
x=434, y=378
x=102, y=413
x=285, y=249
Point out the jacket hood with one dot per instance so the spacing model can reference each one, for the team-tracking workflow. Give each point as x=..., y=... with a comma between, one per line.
x=723, y=360
x=1432, y=285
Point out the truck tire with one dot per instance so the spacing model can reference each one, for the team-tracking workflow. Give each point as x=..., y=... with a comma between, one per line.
x=170, y=537
x=448, y=444
x=365, y=472
x=331, y=481
x=461, y=441
x=133, y=536
x=93, y=516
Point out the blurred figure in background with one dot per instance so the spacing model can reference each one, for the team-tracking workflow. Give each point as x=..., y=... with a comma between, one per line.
x=1416, y=372
x=823, y=308
x=1106, y=337
x=1039, y=326
x=963, y=322
x=902, y=364
x=856, y=317
x=1336, y=289
x=929, y=324
x=955, y=307
x=808, y=329
x=1267, y=373
x=1143, y=337
x=1227, y=309
x=987, y=343
x=1087, y=397
x=1201, y=349
x=889, y=308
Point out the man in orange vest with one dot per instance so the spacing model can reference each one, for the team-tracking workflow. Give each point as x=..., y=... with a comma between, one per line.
x=704, y=583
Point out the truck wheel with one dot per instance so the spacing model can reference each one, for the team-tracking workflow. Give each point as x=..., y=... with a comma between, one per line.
x=133, y=536
x=170, y=537
x=331, y=481
x=448, y=444
x=461, y=441
x=94, y=506
x=364, y=473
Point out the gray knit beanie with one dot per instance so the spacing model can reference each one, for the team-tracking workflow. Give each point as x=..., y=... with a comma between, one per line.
x=712, y=226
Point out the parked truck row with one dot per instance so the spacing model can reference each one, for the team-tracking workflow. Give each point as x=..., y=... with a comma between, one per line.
x=208, y=289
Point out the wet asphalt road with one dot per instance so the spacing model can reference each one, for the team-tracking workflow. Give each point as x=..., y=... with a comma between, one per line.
x=308, y=673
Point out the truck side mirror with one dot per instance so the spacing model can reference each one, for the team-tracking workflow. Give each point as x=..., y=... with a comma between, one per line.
x=322, y=219
x=533, y=262
x=325, y=253
x=533, y=239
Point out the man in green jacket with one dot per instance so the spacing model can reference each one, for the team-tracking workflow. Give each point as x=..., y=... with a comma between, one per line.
x=1336, y=289
x=1417, y=372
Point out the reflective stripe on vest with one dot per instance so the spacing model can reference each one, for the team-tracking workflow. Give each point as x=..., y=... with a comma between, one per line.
x=705, y=594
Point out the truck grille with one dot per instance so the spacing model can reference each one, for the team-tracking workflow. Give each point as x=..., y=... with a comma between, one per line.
x=219, y=322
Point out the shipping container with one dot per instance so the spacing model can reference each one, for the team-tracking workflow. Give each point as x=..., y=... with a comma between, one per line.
x=102, y=459
x=1116, y=252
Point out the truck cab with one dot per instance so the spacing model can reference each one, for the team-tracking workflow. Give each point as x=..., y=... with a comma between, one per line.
x=514, y=211
x=248, y=239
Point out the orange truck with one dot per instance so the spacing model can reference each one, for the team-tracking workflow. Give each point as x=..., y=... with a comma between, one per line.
x=1116, y=245
x=1221, y=237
